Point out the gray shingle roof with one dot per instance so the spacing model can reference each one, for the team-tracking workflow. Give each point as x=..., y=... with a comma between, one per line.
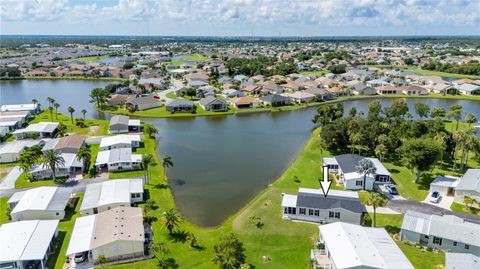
x=312, y=200
x=347, y=162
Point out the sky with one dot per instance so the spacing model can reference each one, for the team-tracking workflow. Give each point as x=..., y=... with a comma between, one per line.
x=240, y=17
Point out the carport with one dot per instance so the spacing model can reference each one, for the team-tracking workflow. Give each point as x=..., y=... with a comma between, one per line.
x=445, y=185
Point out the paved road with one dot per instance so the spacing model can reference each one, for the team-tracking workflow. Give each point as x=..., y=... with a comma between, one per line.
x=8, y=181
x=163, y=94
x=404, y=205
x=77, y=185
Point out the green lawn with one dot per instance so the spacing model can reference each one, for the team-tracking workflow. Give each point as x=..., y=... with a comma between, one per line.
x=173, y=62
x=457, y=207
x=22, y=182
x=422, y=72
x=4, y=218
x=74, y=78
x=316, y=72
x=422, y=259
x=88, y=59
x=197, y=57
x=94, y=127
x=172, y=95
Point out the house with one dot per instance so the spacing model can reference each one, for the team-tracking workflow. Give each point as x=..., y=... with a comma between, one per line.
x=105, y=195
x=244, y=102
x=10, y=151
x=120, y=141
x=32, y=108
x=448, y=232
x=413, y=90
x=143, y=102
x=240, y=78
x=311, y=205
x=445, y=185
x=337, y=91
x=231, y=93
x=275, y=100
x=41, y=129
x=40, y=203
x=118, y=99
x=344, y=167
x=440, y=88
x=180, y=105
x=362, y=89
x=468, y=185
x=210, y=103
x=252, y=89
x=320, y=93
x=70, y=143
x=14, y=119
x=71, y=166
x=118, y=159
x=301, y=96
x=116, y=234
x=389, y=89
x=468, y=89
x=26, y=242
x=118, y=124
x=351, y=246
x=377, y=83
x=461, y=261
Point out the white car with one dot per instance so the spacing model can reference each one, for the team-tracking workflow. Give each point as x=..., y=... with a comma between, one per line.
x=435, y=197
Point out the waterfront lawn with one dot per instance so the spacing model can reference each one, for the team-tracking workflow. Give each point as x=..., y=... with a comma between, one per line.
x=457, y=207
x=94, y=127
x=4, y=218
x=161, y=112
x=422, y=259
x=196, y=57
x=423, y=72
x=88, y=59
x=177, y=63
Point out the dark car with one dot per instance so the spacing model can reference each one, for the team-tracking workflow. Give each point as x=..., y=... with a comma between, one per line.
x=391, y=189
x=80, y=257
x=33, y=265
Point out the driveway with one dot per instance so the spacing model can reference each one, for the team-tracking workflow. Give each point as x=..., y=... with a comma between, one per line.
x=445, y=202
x=383, y=190
x=176, y=84
x=404, y=205
x=8, y=181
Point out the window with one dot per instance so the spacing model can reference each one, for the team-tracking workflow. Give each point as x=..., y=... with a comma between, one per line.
x=437, y=240
x=310, y=212
x=330, y=214
x=133, y=195
x=337, y=215
x=455, y=243
x=57, y=213
x=359, y=183
x=317, y=212
x=303, y=211
x=467, y=246
x=138, y=195
x=285, y=210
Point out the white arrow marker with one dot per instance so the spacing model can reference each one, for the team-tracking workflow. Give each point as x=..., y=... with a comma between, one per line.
x=325, y=183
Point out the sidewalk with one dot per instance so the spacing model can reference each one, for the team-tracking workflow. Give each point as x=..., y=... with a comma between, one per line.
x=382, y=210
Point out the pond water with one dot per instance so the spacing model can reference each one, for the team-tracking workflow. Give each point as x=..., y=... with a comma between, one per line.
x=220, y=163
x=74, y=93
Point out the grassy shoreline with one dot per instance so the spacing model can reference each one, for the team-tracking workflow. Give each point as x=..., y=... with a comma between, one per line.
x=160, y=112
x=74, y=78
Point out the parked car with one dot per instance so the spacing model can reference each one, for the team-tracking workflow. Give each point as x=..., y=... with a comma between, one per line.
x=33, y=264
x=391, y=189
x=80, y=257
x=435, y=197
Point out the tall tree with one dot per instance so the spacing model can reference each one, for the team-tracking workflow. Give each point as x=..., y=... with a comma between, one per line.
x=365, y=167
x=147, y=161
x=420, y=154
x=376, y=200
x=71, y=110
x=470, y=119
x=229, y=252
x=380, y=151
x=52, y=159
x=455, y=113
x=172, y=219
x=422, y=110
x=56, y=105
x=50, y=101
x=84, y=111
x=50, y=108
x=150, y=130
x=84, y=155
x=99, y=96
x=166, y=162
x=438, y=112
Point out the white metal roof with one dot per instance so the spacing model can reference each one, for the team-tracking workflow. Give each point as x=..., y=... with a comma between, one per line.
x=445, y=181
x=353, y=246
x=41, y=127
x=18, y=146
x=19, y=107
x=133, y=122
x=117, y=155
x=43, y=198
x=118, y=139
x=110, y=192
x=26, y=240
x=289, y=200
x=381, y=170
x=82, y=234
x=461, y=261
x=329, y=160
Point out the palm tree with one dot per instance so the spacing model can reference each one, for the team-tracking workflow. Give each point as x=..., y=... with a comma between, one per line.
x=50, y=101
x=71, y=110
x=380, y=151
x=375, y=200
x=52, y=159
x=50, y=108
x=172, y=219
x=470, y=119
x=101, y=260
x=56, y=105
x=84, y=111
x=84, y=154
x=365, y=167
x=26, y=162
x=34, y=101
x=147, y=160
x=166, y=162
x=150, y=130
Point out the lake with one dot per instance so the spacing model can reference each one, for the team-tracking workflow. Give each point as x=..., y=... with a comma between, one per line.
x=222, y=162
x=74, y=93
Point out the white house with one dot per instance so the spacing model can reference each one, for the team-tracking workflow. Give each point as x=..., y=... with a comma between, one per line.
x=25, y=242
x=344, y=167
x=118, y=124
x=42, y=129
x=448, y=232
x=351, y=246
x=118, y=159
x=117, y=234
x=71, y=166
x=120, y=141
x=10, y=151
x=40, y=203
x=311, y=205
x=469, y=185
x=468, y=89
x=32, y=108
x=109, y=194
